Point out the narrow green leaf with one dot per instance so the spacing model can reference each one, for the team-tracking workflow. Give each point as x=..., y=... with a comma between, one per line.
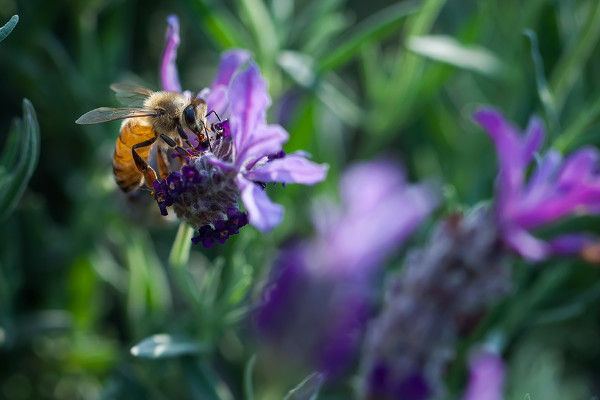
x=308, y=389
x=572, y=62
x=222, y=28
x=8, y=27
x=262, y=26
x=448, y=50
x=376, y=27
x=405, y=79
x=586, y=116
x=166, y=346
x=10, y=152
x=29, y=149
x=248, y=370
x=180, y=251
x=204, y=382
x=543, y=89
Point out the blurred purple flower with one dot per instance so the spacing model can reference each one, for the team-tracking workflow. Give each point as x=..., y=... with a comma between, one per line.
x=555, y=189
x=460, y=271
x=486, y=378
x=315, y=308
x=245, y=153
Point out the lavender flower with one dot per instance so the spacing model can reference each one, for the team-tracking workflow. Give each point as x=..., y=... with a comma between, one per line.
x=461, y=270
x=315, y=308
x=245, y=153
x=556, y=188
x=486, y=377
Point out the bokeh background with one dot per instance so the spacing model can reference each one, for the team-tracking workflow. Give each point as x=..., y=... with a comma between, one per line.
x=86, y=273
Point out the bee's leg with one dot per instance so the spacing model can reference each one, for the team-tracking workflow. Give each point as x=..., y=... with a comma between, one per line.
x=142, y=165
x=183, y=136
x=163, y=163
x=174, y=145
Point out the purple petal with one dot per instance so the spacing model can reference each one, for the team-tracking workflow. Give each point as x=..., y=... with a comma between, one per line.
x=486, y=377
x=264, y=141
x=364, y=186
x=231, y=61
x=168, y=70
x=570, y=244
x=249, y=101
x=218, y=100
x=534, y=138
x=540, y=185
x=262, y=212
x=380, y=211
x=290, y=169
x=216, y=161
x=526, y=245
x=578, y=167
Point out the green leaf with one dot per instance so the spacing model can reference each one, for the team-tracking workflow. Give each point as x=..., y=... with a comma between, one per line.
x=543, y=89
x=24, y=141
x=180, y=252
x=8, y=27
x=166, y=346
x=308, y=389
x=375, y=27
x=448, y=50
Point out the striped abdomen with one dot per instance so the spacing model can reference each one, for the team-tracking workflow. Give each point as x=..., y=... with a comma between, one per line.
x=133, y=131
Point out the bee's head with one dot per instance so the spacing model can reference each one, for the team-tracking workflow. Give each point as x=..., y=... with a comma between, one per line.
x=194, y=115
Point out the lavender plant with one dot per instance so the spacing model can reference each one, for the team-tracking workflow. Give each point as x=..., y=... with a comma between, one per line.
x=101, y=296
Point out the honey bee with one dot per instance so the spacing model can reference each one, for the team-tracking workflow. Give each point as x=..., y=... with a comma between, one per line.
x=150, y=119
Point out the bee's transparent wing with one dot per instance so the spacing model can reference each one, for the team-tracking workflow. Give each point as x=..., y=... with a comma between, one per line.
x=131, y=95
x=105, y=114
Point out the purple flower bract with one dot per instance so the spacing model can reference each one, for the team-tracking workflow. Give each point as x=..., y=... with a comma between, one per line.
x=556, y=188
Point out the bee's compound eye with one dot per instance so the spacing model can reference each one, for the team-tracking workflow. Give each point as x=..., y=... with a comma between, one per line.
x=189, y=115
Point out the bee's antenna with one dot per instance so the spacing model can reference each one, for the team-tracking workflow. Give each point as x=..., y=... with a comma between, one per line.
x=213, y=112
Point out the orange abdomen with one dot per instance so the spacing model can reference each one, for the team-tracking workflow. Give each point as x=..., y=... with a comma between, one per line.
x=133, y=131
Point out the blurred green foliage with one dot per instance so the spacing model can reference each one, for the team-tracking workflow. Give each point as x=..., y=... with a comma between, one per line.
x=86, y=274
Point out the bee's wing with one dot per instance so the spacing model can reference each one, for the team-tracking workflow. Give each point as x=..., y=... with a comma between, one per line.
x=131, y=95
x=105, y=114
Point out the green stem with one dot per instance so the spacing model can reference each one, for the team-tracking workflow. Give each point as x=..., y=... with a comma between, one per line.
x=180, y=252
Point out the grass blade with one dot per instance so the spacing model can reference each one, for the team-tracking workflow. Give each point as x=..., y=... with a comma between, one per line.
x=220, y=26
x=376, y=27
x=543, y=89
x=448, y=50
x=573, y=60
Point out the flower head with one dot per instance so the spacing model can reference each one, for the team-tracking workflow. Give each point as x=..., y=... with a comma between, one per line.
x=244, y=153
x=460, y=271
x=555, y=189
x=315, y=308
